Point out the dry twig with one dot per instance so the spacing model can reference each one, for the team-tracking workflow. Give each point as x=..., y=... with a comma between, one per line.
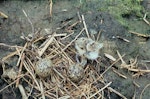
x=121, y=75
x=50, y=7
x=139, y=34
x=29, y=21
x=116, y=92
x=86, y=30
x=3, y=15
x=73, y=40
x=144, y=90
x=47, y=43
x=22, y=91
x=145, y=20
x=100, y=90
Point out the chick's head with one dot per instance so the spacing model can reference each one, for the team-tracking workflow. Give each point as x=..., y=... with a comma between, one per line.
x=80, y=45
x=93, y=48
x=88, y=48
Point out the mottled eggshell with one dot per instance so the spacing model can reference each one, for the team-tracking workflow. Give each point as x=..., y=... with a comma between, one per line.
x=75, y=72
x=43, y=67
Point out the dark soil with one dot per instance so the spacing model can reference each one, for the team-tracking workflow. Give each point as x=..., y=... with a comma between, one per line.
x=11, y=30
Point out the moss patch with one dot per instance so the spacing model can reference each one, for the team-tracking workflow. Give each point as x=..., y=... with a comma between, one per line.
x=123, y=9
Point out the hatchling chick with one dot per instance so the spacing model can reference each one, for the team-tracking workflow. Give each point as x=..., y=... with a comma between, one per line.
x=93, y=48
x=88, y=48
x=80, y=45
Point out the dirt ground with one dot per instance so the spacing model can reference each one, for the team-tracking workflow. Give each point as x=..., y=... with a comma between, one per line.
x=114, y=36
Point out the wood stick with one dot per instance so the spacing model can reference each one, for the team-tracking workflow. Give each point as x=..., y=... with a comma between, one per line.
x=100, y=90
x=121, y=75
x=116, y=92
x=50, y=8
x=42, y=90
x=33, y=76
x=10, y=55
x=144, y=90
x=29, y=21
x=67, y=36
x=73, y=40
x=111, y=65
x=47, y=43
x=20, y=54
x=145, y=20
x=20, y=69
x=3, y=15
x=86, y=30
x=139, y=34
x=22, y=91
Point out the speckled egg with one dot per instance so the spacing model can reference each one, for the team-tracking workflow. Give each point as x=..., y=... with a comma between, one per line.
x=43, y=67
x=75, y=72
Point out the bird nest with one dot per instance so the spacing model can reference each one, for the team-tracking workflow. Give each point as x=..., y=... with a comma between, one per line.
x=48, y=66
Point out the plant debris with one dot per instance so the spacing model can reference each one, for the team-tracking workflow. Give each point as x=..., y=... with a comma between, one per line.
x=49, y=66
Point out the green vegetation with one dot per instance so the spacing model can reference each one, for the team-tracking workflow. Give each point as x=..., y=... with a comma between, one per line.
x=122, y=9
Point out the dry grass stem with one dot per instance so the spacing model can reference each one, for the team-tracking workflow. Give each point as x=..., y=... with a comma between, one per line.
x=100, y=90
x=121, y=75
x=145, y=20
x=111, y=65
x=62, y=51
x=3, y=15
x=131, y=66
x=8, y=86
x=79, y=16
x=74, y=24
x=64, y=97
x=139, y=34
x=22, y=91
x=20, y=54
x=59, y=73
x=50, y=7
x=144, y=90
x=98, y=36
x=67, y=36
x=32, y=27
x=10, y=55
x=123, y=62
x=110, y=57
x=138, y=70
x=73, y=40
x=48, y=42
x=126, y=40
x=33, y=76
x=42, y=90
x=116, y=92
x=137, y=85
x=20, y=70
x=86, y=30
x=6, y=45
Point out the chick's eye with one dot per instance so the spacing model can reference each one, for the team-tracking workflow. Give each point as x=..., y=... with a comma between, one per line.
x=81, y=48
